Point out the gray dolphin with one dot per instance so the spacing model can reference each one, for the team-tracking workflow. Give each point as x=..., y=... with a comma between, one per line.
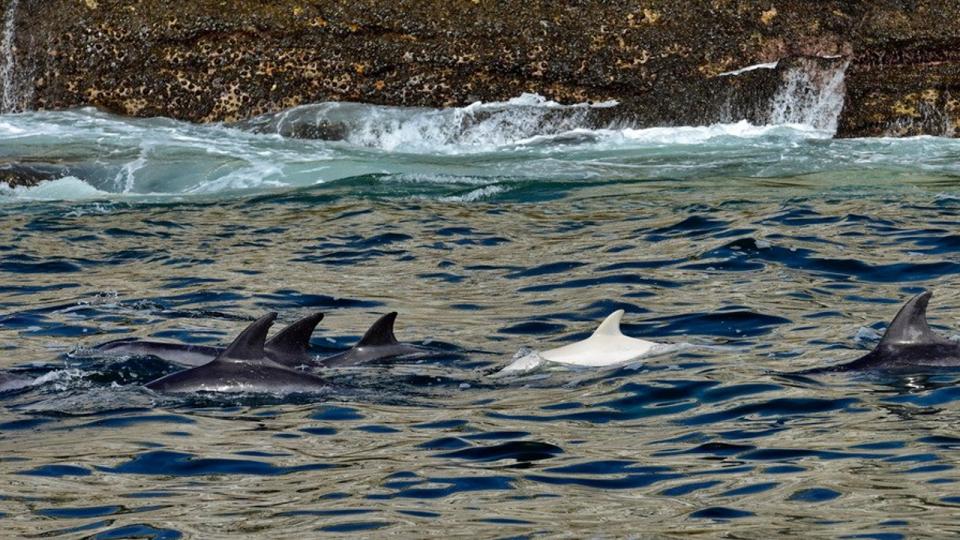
x=288, y=347
x=377, y=344
x=10, y=382
x=907, y=344
x=244, y=366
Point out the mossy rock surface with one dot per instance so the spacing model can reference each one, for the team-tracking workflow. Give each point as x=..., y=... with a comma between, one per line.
x=213, y=60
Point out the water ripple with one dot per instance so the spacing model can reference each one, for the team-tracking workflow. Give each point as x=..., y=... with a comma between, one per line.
x=765, y=269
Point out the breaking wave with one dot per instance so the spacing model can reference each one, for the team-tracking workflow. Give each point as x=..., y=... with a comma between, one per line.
x=358, y=150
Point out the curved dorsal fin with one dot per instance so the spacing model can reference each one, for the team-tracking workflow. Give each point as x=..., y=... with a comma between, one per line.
x=249, y=344
x=381, y=332
x=910, y=324
x=611, y=325
x=295, y=339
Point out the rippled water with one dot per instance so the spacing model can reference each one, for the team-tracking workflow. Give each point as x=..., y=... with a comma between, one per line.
x=777, y=248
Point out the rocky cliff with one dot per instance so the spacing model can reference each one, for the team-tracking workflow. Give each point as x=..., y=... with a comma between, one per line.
x=665, y=62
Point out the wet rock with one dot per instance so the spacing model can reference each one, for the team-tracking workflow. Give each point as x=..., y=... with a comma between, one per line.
x=906, y=77
x=17, y=174
x=665, y=62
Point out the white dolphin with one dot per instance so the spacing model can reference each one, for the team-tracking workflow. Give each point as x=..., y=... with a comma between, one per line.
x=607, y=346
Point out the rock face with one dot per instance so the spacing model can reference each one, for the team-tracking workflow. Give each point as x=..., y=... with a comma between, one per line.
x=15, y=174
x=905, y=79
x=666, y=62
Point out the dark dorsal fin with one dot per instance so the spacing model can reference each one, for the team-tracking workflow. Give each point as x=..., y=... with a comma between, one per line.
x=295, y=339
x=381, y=333
x=249, y=344
x=910, y=324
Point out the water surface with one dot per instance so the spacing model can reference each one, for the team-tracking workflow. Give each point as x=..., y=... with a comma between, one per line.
x=775, y=248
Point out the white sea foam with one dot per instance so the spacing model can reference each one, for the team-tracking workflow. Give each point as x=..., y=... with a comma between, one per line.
x=68, y=188
x=427, y=178
x=60, y=379
x=533, y=121
x=524, y=361
x=425, y=152
x=703, y=134
x=475, y=195
x=10, y=101
x=475, y=128
x=811, y=95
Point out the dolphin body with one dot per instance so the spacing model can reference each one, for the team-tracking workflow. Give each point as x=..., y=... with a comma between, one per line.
x=243, y=367
x=288, y=347
x=11, y=383
x=378, y=344
x=908, y=344
x=607, y=346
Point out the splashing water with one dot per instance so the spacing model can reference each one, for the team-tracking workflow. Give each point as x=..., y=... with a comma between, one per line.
x=811, y=94
x=8, y=60
x=477, y=153
x=475, y=128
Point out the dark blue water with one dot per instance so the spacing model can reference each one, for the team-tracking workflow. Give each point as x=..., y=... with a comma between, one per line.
x=764, y=274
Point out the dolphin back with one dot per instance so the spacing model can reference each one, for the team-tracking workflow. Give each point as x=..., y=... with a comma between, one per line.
x=243, y=367
x=380, y=332
x=378, y=344
x=908, y=343
x=177, y=353
x=10, y=382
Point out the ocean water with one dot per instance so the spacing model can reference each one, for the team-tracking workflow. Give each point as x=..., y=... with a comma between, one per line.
x=494, y=230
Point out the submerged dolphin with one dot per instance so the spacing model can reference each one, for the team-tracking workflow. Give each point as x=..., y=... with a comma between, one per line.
x=288, y=347
x=908, y=343
x=607, y=346
x=10, y=382
x=377, y=344
x=244, y=366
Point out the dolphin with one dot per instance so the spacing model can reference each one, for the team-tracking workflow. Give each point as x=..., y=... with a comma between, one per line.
x=607, y=346
x=244, y=366
x=288, y=347
x=377, y=344
x=907, y=344
x=10, y=382
x=177, y=353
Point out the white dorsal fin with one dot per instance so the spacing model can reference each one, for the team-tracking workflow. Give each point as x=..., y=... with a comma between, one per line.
x=610, y=327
